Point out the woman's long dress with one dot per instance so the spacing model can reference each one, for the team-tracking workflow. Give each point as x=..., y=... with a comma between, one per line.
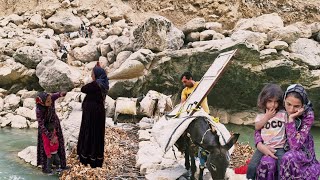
x=300, y=161
x=90, y=146
x=42, y=117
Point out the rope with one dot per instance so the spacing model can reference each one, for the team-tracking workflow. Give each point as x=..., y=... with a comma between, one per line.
x=201, y=142
x=174, y=153
x=224, y=140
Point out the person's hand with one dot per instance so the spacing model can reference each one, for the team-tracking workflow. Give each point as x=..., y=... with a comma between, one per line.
x=266, y=150
x=54, y=140
x=270, y=113
x=63, y=94
x=293, y=116
x=49, y=156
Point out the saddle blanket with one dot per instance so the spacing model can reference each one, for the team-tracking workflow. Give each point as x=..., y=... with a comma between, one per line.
x=168, y=130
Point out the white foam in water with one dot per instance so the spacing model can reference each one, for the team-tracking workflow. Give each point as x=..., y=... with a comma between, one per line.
x=15, y=177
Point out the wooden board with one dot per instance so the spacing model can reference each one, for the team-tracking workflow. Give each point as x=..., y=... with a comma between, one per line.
x=206, y=83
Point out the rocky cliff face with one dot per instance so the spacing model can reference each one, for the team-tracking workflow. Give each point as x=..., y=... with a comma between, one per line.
x=142, y=50
x=179, y=12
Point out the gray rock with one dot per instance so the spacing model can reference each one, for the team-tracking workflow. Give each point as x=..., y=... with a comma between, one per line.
x=86, y=53
x=217, y=27
x=290, y=33
x=11, y=102
x=44, y=43
x=310, y=49
x=168, y=174
x=278, y=45
x=36, y=22
x=251, y=37
x=157, y=34
x=64, y=22
x=262, y=24
x=31, y=56
x=194, y=25
x=29, y=103
x=193, y=36
x=55, y=75
x=29, y=154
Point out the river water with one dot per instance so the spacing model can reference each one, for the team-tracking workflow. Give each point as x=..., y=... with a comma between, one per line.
x=12, y=167
x=14, y=140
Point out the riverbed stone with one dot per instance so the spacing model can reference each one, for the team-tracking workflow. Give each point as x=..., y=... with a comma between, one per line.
x=29, y=155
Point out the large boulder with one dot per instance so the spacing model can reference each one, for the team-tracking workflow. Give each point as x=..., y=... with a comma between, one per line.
x=13, y=73
x=36, y=21
x=11, y=102
x=116, y=13
x=86, y=53
x=134, y=66
x=157, y=34
x=121, y=43
x=262, y=24
x=29, y=154
x=49, y=44
x=55, y=75
x=308, y=48
x=16, y=19
x=259, y=39
x=30, y=56
x=194, y=25
x=290, y=33
x=64, y=21
x=105, y=47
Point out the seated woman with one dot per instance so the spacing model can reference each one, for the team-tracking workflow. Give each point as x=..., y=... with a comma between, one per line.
x=300, y=161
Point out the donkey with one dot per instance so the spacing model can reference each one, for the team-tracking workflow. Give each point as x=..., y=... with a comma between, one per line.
x=199, y=133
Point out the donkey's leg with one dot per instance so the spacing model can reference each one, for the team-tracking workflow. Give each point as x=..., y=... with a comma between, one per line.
x=115, y=118
x=187, y=155
x=193, y=166
x=201, y=173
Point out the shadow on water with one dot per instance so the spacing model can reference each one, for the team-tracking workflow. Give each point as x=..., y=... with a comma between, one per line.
x=246, y=135
x=12, y=167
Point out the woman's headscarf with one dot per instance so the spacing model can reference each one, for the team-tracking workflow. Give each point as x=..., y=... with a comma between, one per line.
x=41, y=100
x=305, y=101
x=101, y=78
x=301, y=91
x=40, y=103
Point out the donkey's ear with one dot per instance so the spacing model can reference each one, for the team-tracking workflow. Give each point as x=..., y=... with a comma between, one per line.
x=233, y=139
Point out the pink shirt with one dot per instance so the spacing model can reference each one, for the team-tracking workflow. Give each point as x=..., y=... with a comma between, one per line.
x=273, y=132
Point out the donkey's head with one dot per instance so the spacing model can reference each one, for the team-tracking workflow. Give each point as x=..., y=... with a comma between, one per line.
x=218, y=161
x=164, y=104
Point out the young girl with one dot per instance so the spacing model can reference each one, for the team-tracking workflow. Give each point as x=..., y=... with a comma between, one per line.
x=51, y=148
x=45, y=112
x=300, y=161
x=270, y=126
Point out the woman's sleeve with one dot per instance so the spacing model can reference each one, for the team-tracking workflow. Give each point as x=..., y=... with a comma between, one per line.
x=42, y=128
x=257, y=137
x=296, y=138
x=55, y=96
x=89, y=88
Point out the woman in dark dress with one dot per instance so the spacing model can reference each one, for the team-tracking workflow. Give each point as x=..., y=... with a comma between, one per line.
x=46, y=112
x=90, y=146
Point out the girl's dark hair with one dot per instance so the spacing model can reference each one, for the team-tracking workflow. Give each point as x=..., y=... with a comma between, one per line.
x=267, y=92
